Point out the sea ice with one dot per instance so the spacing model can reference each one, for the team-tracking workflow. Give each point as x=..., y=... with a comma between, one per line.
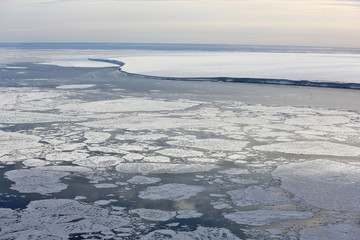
x=105, y=185
x=255, y=195
x=153, y=214
x=12, y=141
x=185, y=214
x=311, y=148
x=174, y=192
x=143, y=180
x=331, y=232
x=265, y=217
x=180, y=153
x=199, y=233
x=35, y=163
x=76, y=86
x=96, y=137
x=323, y=183
x=127, y=105
x=67, y=156
x=36, y=181
x=211, y=144
x=146, y=168
x=60, y=218
x=234, y=171
x=317, y=120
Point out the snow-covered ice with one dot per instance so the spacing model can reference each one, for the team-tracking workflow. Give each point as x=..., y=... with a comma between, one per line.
x=142, y=180
x=174, y=192
x=323, y=183
x=153, y=214
x=265, y=217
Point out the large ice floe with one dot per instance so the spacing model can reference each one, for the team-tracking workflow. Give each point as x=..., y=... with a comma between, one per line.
x=265, y=217
x=324, y=184
x=331, y=232
x=312, y=147
x=199, y=233
x=174, y=192
x=60, y=219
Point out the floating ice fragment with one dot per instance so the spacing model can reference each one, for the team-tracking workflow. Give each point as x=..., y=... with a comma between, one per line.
x=60, y=218
x=211, y=144
x=76, y=86
x=199, y=233
x=146, y=168
x=174, y=192
x=96, y=137
x=255, y=195
x=35, y=163
x=322, y=183
x=153, y=214
x=312, y=148
x=265, y=217
x=143, y=180
x=331, y=232
x=234, y=171
x=105, y=185
x=36, y=181
x=185, y=214
x=317, y=120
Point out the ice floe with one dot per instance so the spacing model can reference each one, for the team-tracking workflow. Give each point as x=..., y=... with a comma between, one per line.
x=174, y=192
x=255, y=195
x=127, y=105
x=153, y=214
x=96, y=137
x=311, y=147
x=146, y=168
x=36, y=181
x=142, y=180
x=76, y=86
x=60, y=218
x=323, y=183
x=211, y=144
x=199, y=233
x=331, y=232
x=185, y=214
x=12, y=141
x=317, y=120
x=265, y=217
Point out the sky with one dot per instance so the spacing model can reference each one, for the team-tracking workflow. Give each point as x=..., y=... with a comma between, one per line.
x=260, y=22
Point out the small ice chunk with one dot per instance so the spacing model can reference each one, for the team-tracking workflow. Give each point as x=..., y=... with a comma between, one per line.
x=143, y=180
x=35, y=163
x=180, y=153
x=153, y=214
x=105, y=185
x=156, y=159
x=265, y=217
x=66, y=156
x=243, y=181
x=174, y=192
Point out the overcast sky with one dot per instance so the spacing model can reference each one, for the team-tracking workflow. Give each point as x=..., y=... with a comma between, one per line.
x=278, y=22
